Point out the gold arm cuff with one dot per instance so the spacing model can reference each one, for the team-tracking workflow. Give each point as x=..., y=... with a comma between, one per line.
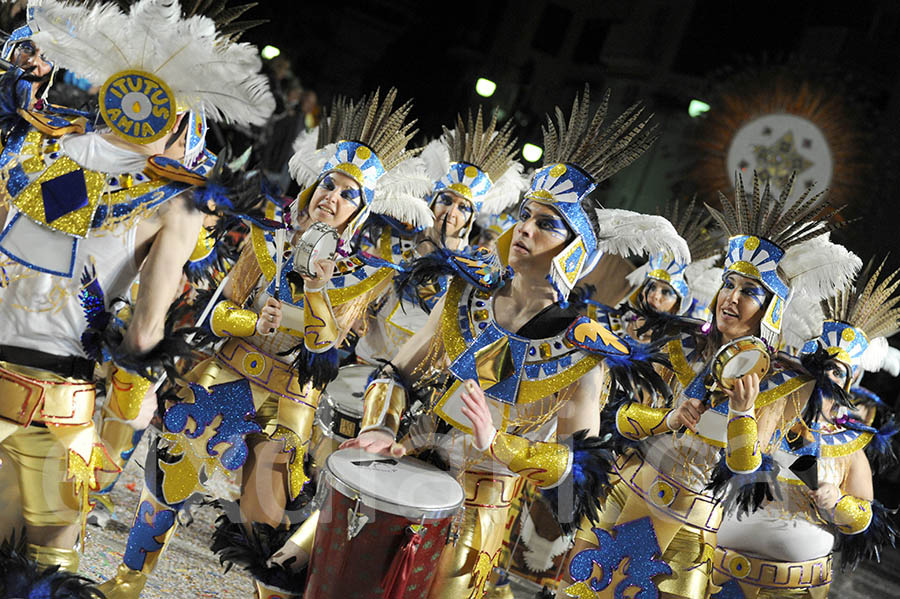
x=230, y=320
x=852, y=515
x=321, y=330
x=126, y=393
x=544, y=464
x=385, y=401
x=636, y=421
x=742, y=453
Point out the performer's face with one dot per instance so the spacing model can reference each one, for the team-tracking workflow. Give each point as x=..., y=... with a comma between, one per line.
x=27, y=55
x=336, y=199
x=660, y=295
x=539, y=235
x=837, y=372
x=452, y=209
x=740, y=306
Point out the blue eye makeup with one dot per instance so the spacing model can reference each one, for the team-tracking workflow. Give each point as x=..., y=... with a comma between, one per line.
x=328, y=183
x=351, y=195
x=555, y=227
x=445, y=200
x=757, y=294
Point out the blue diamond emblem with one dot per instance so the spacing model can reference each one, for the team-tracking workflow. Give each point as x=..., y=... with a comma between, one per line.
x=64, y=194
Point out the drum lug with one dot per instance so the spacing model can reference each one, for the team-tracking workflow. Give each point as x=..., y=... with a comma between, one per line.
x=355, y=521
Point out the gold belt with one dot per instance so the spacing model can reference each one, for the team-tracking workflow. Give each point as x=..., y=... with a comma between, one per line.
x=770, y=574
x=26, y=396
x=264, y=370
x=486, y=489
x=668, y=495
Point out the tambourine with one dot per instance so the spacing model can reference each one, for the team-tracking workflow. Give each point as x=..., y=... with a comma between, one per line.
x=318, y=242
x=743, y=356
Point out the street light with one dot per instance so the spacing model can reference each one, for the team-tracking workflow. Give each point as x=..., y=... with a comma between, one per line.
x=532, y=153
x=485, y=87
x=270, y=52
x=697, y=107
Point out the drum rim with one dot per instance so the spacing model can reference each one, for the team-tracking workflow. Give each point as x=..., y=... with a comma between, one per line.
x=383, y=504
x=306, y=246
x=717, y=367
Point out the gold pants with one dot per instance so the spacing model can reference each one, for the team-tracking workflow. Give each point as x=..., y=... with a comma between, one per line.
x=464, y=567
x=686, y=549
x=39, y=462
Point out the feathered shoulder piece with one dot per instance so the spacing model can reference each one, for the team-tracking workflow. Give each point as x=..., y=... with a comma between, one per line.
x=156, y=60
x=366, y=141
x=479, y=267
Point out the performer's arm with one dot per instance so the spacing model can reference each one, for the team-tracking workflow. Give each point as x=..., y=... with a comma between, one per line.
x=177, y=227
x=849, y=507
x=385, y=397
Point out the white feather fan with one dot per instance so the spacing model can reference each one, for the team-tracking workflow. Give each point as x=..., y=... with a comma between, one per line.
x=400, y=193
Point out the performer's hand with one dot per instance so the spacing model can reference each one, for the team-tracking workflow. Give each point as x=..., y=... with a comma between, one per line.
x=376, y=442
x=148, y=409
x=826, y=496
x=269, y=317
x=743, y=395
x=324, y=270
x=475, y=408
x=687, y=415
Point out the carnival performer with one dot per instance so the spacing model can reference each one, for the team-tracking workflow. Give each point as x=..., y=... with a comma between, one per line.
x=826, y=495
x=509, y=362
x=264, y=382
x=83, y=212
x=474, y=174
x=662, y=286
x=660, y=511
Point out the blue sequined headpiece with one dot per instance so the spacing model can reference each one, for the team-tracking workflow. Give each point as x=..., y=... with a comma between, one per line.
x=844, y=342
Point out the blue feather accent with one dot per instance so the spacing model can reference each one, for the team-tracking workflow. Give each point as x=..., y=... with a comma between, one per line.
x=24, y=578
x=585, y=488
x=93, y=304
x=744, y=492
x=868, y=544
x=880, y=449
x=865, y=395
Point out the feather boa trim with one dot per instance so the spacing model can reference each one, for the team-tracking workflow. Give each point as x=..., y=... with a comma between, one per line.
x=583, y=492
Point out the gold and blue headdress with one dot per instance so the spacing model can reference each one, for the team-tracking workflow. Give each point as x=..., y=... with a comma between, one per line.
x=692, y=225
x=157, y=61
x=859, y=319
x=579, y=154
x=366, y=141
x=782, y=244
x=477, y=164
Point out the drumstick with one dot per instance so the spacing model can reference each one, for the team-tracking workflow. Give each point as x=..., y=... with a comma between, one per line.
x=279, y=259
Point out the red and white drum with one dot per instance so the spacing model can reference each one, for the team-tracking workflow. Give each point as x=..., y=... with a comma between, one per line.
x=382, y=527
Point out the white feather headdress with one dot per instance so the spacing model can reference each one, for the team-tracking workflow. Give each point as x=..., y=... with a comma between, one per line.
x=203, y=68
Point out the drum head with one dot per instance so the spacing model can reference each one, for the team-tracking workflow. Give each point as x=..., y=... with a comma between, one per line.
x=743, y=356
x=742, y=363
x=401, y=486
